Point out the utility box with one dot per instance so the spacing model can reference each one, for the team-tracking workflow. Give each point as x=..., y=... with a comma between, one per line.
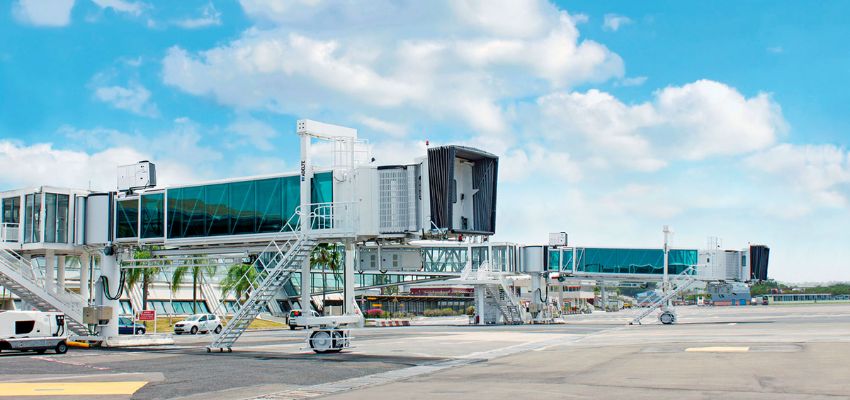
x=140, y=175
x=97, y=315
x=558, y=239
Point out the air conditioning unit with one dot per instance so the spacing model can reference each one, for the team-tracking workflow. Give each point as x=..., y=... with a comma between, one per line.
x=140, y=175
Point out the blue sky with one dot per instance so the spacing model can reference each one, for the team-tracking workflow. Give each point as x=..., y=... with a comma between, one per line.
x=720, y=118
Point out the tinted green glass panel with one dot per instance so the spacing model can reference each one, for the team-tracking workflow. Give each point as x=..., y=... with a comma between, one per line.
x=291, y=199
x=239, y=208
x=62, y=207
x=50, y=218
x=218, y=211
x=153, y=216
x=323, y=189
x=175, y=213
x=196, y=218
x=243, y=207
x=633, y=261
x=322, y=192
x=127, y=218
x=554, y=260
x=270, y=204
x=567, y=260
x=680, y=260
x=12, y=210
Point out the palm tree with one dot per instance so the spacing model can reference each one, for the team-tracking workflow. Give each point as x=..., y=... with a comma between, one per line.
x=198, y=272
x=145, y=275
x=238, y=280
x=327, y=256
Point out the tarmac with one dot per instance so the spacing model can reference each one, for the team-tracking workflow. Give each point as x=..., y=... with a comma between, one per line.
x=751, y=352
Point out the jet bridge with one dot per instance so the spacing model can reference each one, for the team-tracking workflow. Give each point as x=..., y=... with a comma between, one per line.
x=273, y=221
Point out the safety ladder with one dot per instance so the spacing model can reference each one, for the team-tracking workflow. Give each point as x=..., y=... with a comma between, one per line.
x=679, y=283
x=25, y=281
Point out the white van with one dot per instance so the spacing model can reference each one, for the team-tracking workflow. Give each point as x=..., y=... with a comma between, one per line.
x=33, y=330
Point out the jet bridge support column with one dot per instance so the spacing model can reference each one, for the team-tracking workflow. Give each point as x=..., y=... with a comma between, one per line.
x=49, y=270
x=60, y=274
x=348, y=279
x=85, y=259
x=304, y=217
x=110, y=270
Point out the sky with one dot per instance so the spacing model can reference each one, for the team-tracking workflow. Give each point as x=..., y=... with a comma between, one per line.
x=611, y=119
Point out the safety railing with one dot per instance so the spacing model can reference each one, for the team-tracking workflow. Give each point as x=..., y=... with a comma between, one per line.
x=326, y=219
x=9, y=232
x=20, y=268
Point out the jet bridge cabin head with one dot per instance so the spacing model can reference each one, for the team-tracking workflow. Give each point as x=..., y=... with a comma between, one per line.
x=449, y=193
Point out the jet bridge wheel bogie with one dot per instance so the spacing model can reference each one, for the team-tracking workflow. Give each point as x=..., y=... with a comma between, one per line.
x=321, y=342
x=667, y=318
x=329, y=340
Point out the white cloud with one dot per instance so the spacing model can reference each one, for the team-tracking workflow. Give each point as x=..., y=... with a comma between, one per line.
x=775, y=49
x=691, y=122
x=255, y=132
x=820, y=174
x=50, y=13
x=614, y=22
x=519, y=19
x=379, y=125
x=463, y=70
x=134, y=8
x=518, y=165
x=715, y=119
x=632, y=81
x=209, y=17
x=134, y=98
x=49, y=165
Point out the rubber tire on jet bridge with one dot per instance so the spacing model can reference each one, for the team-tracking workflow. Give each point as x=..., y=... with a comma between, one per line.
x=667, y=318
x=321, y=342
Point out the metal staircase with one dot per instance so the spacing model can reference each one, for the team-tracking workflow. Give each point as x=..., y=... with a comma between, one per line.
x=497, y=293
x=274, y=266
x=507, y=305
x=270, y=277
x=679, y=284
x=27, y=282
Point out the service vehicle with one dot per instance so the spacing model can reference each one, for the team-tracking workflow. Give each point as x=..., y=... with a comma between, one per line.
x=295, y=319
x=126, y=326
x=37, y=331
x=203, y=323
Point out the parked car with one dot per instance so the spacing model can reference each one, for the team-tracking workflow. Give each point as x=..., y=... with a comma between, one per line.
x=33, y=330
x=204, y=323
x=295, y=319
x=126, y=327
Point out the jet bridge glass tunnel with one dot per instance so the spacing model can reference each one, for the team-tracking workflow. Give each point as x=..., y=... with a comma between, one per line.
x=620, y=261
x=232, y=208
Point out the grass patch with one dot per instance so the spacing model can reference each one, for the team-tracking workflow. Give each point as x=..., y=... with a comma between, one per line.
x=166, y=324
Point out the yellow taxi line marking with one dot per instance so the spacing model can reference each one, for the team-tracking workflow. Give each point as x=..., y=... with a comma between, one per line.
x=15, y=389
x=720, y=349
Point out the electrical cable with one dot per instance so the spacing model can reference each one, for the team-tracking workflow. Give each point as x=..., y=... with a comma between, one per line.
x=105, y=283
